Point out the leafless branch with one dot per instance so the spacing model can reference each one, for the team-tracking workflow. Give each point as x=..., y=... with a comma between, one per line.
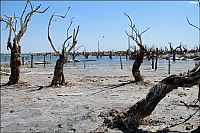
x=43, y=10
x=4, y=28
x=137, y=38
x=131, y=25
x=145, y=31
x=27, y=18
x=68, y=33
x=74, y=39
x=9, y=43
x=15, y=26
x=192, y=24
x=170, y=45
x=11, y=22
x=21, y=22
x=178, y=47
x=49, y=37
x=7, y=21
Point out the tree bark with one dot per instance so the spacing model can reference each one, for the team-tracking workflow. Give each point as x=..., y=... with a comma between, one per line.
x=144, y=107
x=58, y=78
x=15, y=63
x=136, y=65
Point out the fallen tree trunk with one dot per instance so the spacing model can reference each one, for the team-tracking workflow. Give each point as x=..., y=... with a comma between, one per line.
x=131, y=118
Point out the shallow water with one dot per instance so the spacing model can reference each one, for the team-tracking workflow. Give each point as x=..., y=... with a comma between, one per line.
x=103, y=61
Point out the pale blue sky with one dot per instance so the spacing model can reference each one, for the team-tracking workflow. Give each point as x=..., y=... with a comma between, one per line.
x=166, y=19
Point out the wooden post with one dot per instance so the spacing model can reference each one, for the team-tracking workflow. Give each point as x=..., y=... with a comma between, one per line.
x=169, y=65
x=44, y=60
x=84, y=63
x=121, y=60
x=110, y=55
x=174, y=55
x=50, y=57
x=129, y=47
x=22, y=60
x=156, y=59
x=98, y=51
x=152, y=56
x=31, y=61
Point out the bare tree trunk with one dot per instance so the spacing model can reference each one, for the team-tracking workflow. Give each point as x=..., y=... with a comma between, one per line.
x=136, y=65
x=15, y=63
x=58, y=78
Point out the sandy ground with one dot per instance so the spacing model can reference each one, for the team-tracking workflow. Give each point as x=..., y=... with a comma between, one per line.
x=90, y=91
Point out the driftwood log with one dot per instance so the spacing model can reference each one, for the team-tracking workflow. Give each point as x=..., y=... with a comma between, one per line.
x=140, y=54
x=131, y=118
x=11, y=23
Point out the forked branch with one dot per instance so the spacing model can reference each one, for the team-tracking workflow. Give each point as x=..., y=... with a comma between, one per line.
x=74, y=39
x=68, y=37
x=49, y=26
x=137, y=37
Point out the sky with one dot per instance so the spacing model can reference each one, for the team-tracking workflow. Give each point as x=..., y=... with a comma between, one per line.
x=104, y=21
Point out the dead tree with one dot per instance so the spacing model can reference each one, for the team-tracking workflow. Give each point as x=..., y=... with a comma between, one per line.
x=15, y=48
x=85, y=53
x=140, y=54
x=174, y=50
x=132, y=117
x=58, y=78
